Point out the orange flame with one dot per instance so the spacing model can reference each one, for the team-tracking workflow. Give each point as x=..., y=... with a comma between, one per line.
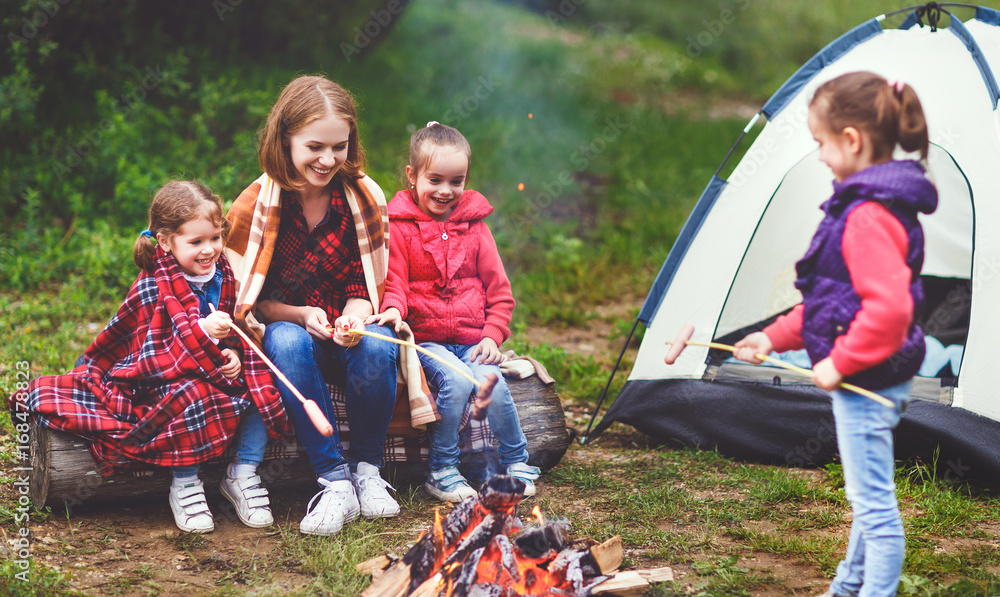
x=537, y=513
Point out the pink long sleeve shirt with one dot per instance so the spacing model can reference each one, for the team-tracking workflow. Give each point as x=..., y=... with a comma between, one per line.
x=874, y=248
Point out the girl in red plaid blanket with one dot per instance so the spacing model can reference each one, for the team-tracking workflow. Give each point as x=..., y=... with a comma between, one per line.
x=164, y=383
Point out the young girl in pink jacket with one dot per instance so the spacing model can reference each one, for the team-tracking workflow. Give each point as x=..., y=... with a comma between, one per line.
x=447, y=281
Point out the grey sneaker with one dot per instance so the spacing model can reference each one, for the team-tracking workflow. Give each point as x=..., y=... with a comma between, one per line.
x=448, y=485
x=526, y=474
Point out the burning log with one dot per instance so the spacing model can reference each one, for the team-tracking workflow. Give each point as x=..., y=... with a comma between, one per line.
x=468, y=554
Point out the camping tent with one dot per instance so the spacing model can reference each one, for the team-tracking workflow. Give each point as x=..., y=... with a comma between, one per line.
x=731, y=270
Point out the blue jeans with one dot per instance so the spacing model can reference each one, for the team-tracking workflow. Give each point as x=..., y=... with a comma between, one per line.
x=453, y=393
x=370, y=393
x=251, y=439
x=875, y=550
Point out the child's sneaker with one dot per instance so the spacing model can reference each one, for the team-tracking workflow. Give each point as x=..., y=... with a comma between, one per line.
x=526, y=474
x=250, y=500
x=190, y=508
x=336, y=505
x=371, y=489
x=448, y=485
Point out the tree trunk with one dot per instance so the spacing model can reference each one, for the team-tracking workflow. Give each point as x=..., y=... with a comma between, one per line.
x=63, y=472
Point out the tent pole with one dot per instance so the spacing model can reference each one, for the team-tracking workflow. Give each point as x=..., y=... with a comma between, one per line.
x=586, y=434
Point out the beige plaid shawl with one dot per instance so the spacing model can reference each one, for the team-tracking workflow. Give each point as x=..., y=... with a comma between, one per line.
x=255, y=220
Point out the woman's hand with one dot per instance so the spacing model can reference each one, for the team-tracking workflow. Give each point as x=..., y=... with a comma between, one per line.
x=232, y=368
x=315, y=321
x=753, y=344
x=216, y=324
x=389, y=316
x=826, y=376
x=342, y=327
x=488, y=351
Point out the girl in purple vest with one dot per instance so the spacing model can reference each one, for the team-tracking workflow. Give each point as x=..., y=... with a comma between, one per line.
x=860, y=289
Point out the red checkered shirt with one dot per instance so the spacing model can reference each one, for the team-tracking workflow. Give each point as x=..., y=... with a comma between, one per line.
x=321, y=268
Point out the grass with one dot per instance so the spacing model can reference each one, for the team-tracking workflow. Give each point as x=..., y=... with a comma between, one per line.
x=612, y=161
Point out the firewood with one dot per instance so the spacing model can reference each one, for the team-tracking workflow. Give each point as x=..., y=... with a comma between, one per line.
x=428, y=588
x=663, y=574
x=633, y=583
x=376, y=566
x=394, y=582
x=609, y=554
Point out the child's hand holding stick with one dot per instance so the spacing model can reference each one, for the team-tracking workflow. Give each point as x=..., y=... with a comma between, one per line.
x=754, y=344
x=484, y=389
x=312, y=409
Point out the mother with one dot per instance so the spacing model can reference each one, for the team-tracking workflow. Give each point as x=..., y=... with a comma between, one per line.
x=309, y=245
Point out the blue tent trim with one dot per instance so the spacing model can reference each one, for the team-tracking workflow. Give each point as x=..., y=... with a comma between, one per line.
x=680, y=248
x=827, y=56
x=988, y=16
x=963, y=34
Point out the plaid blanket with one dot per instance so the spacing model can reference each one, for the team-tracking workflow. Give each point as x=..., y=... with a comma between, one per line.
x=255, y=217
x=149, y=388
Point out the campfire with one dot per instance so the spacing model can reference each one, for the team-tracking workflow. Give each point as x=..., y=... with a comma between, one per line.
x=482, y=549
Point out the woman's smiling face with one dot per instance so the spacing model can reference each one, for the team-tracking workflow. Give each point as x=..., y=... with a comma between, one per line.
x=319, y=150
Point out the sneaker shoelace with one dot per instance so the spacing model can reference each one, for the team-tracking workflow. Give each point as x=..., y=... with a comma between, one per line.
x=379, y=482
x=336, y=495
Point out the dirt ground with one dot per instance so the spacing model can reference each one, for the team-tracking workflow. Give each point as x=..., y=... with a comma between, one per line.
x=135, y=548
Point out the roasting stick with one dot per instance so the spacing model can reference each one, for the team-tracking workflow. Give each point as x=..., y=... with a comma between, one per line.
x=474, y=381
x=312, y=409
x=683, y=339
x=484, y=388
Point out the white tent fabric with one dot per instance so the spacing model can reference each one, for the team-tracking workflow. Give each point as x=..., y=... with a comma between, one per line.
x=738, y=267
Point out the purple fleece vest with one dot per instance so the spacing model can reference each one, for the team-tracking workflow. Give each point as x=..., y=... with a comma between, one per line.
x=828, y=296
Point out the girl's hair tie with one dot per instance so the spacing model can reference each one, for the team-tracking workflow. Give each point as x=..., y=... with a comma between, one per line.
x=896, y=85
x=146, y=233
x=432, y=123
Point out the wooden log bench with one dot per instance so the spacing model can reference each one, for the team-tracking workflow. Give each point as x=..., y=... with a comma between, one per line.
x=63, y=474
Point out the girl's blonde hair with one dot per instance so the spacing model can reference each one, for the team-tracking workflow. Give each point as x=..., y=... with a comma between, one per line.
x=888, y=111
x=175, y=204
x=426, y=142
x=302, y=101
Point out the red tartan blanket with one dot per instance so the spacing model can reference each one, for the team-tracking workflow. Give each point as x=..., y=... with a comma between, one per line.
x=149, y=389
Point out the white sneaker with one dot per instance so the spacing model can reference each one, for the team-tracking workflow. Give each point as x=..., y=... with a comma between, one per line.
x=190, y=508
x=250, y=500
x=371, y=487
x=336, y=504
